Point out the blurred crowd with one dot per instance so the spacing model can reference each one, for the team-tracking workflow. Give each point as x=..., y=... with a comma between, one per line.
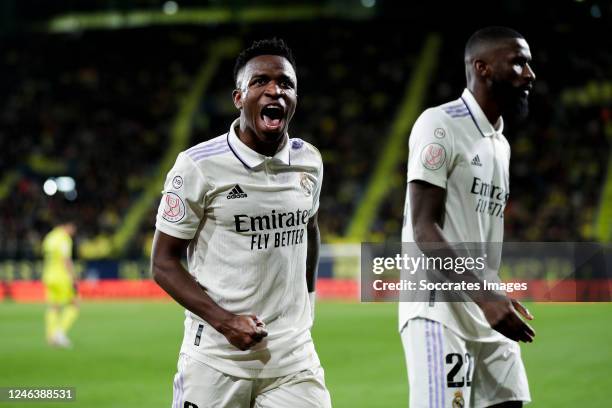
x=560, y=154
x=95, y=106
x=98, y=106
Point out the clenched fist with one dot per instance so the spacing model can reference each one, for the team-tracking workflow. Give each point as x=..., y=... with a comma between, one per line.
x=243, y=331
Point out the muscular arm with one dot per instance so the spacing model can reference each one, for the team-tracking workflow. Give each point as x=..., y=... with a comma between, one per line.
x=312, y=256
x=427, y=213
x=243, y=331
x=312, y=259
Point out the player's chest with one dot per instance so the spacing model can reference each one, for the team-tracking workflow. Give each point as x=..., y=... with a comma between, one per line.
x=482, y=158
x=270, y=196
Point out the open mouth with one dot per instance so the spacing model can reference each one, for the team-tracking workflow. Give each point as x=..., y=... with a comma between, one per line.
x=272, y=116
x=525, y=90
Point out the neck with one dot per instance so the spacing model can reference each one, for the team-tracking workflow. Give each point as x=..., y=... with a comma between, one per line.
x=266, y=148
x=490, y=108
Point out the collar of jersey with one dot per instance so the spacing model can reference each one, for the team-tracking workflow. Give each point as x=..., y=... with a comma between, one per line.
x=480, y=120
x=249, y=157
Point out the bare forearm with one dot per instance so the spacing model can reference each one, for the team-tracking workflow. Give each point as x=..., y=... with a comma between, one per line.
x=431, y=240
x=312, y=257
x=428, y=210
x=174, y=279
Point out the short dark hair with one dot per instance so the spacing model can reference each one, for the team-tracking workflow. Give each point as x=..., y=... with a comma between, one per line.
x=488, y=35
x=269, y=46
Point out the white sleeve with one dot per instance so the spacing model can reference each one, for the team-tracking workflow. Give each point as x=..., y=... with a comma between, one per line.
x=182, y=205
x=430, y=149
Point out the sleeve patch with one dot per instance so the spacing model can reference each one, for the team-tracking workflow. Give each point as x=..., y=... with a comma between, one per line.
x=174, y=208
x=433, y=156
x=177, y=182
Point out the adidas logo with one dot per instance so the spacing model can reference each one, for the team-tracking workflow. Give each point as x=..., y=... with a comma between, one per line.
x=476, y=161
x=236, y=192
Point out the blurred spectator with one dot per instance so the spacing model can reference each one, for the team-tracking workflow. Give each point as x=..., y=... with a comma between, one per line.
x=98, y=106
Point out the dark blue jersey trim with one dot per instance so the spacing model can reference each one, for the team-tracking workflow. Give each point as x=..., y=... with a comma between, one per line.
x=236, y=154
x=473, y=118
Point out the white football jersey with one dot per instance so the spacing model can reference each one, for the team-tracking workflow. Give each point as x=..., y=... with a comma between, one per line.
x=453, y=146
x=246, y=216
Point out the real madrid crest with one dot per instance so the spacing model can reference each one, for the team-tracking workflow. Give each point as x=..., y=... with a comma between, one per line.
x=458, y=401
x=307, y=184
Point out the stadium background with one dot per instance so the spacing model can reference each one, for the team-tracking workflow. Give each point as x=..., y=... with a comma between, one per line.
x=106, y=93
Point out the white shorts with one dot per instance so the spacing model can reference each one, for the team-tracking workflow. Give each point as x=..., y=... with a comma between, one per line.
x=197, y=385
x=445, y=370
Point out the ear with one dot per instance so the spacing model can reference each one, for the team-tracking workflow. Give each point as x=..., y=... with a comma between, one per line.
x=481, y=68
x=237, y=97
